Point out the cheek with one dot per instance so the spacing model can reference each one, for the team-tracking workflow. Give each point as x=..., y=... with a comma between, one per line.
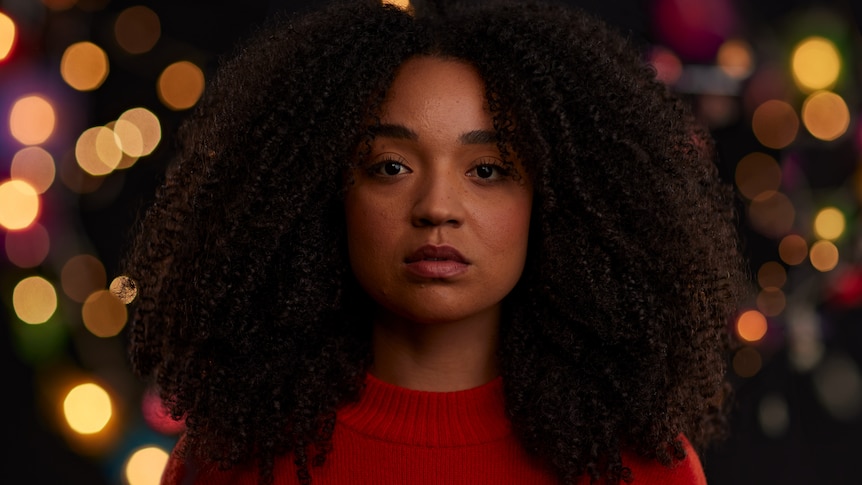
x=508, y=225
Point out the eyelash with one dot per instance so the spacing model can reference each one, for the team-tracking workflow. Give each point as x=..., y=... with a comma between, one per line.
x=377, y=169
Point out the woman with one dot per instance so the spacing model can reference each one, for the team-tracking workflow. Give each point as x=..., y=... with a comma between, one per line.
x=482, y=245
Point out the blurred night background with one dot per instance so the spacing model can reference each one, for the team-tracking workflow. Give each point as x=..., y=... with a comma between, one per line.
x=92, y=91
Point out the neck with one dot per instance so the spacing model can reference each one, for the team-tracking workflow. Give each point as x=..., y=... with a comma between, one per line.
x=438, y=357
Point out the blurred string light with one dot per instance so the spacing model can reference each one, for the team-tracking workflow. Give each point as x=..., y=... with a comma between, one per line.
x=32, y=119
x=34, y=300
x=156, y=415
x=775, y=123
x=59, y=5
x=84, y=66
x=8, y=36
x=815, y=64
x=695, y=30
x=104, y=315
x=82, y=275
x=87, y=408
x=27, y=248
x=137, y=29
x=829, y=223
x=747, y=362
x=793, y=249
x=402, y=4
x=735, y=58
x=145, y=465
x=180, y=85
x=751, y=325
x=124, y=288
x=757, y=175
x=823, y=255
x=35, y=166
x=19, y=204
x=772, y=214
x=773, y=415
x=825, y=115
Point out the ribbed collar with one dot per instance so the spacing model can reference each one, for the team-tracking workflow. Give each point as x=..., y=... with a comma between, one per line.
x=399, y=415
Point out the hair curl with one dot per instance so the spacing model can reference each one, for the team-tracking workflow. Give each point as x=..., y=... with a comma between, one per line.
x=615, y=336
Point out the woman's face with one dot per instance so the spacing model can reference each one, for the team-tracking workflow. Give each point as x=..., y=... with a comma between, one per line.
x=437, y=226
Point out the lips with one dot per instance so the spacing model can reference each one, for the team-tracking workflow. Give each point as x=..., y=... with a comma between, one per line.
x=438, y=262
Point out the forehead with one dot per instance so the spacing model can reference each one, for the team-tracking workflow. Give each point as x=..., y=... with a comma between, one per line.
x=432, y=89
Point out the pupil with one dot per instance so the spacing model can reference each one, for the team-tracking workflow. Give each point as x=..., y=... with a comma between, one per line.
x=392, y=168
x=484, y=171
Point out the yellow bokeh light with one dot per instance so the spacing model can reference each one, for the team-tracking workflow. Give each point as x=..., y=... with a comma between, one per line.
x=180, y=85
x=747, y=362
x=735, y=58
x=98, y=151
x=84, y=66
x=32, y=120
x=104, y=314
x=124, y=288
x=8, y=34
x=87, y=408
x=34, y=300
x=131, y=140
x=825, y=115
x=19, y=204
x=148, y=127
x=771, y=301
x=775, y=124
x=757, y=174
x=35, y=166
x=829, y=223
x=81, y=276
x=137, y=29
x=146, y=465
x=823, y=256
x=793, y=249
x=772, y=215
x=771, y=275
x=751, y=326
x=815, y=64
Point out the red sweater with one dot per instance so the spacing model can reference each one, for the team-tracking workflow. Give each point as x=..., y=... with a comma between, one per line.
x=400, y=436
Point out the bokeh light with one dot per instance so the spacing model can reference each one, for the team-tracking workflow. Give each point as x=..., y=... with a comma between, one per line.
x=775, y=124
x=771, y=275
x=747, y=362
x=104, y=314
x=825, y=115
x=32, y=120
x=19, y=204
x=693, y=29
x=824, y=256
x=771, y=301
x=402, y=4
x=81, y=276
x=815, y=63
x=28, y=248
x=145, y=466
x=751, y=326
x=838, y=387
x=148, y=128
x=137, y=29
x=757, y=175
x=773, y=415
x=667, y=65
x=829, y=223
x=8, y=35
x=98, y=151
x=793, y=249
x=124, y=288
x=181, y=85
x=35, y=166
x=34, y=300
x=87, y=408
x=84, y=66
x=771, y=215
x=157, y=416
x=735, y=58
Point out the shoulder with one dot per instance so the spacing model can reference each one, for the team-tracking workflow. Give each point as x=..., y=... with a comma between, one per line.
x=688, y=471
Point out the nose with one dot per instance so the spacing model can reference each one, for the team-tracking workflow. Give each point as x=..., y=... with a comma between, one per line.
x=438, y=201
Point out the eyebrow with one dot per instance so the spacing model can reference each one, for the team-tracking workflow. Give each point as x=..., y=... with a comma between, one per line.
x=401, y=132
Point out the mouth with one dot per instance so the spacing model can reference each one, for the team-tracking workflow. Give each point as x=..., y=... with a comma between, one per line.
x=436, y=263
x=430, y=252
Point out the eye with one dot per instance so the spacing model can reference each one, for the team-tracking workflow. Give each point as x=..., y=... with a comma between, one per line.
x=388, y=168
x=490, y=170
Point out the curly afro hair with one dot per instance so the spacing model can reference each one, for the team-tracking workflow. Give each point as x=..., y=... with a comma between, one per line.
x=614, y=338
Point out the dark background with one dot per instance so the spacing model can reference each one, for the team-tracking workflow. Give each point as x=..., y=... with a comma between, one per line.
x=814, y=447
